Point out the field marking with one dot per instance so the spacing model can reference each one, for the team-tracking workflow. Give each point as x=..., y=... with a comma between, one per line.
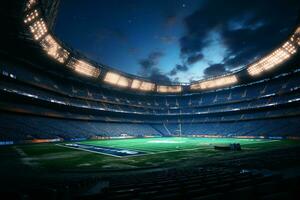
x=139, y=148
x=187, y=149
x=96, y=152
x=20, y=152
x=148, y=152
x=24, y=158
x=152, y=150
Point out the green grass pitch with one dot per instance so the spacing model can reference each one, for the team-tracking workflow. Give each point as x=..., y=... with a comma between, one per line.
x=159, y=152
x=170, y=144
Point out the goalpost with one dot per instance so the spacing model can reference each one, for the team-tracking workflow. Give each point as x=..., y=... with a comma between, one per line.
x=180, y=129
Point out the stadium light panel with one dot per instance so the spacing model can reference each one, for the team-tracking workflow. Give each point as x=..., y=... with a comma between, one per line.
x=53, y=49
x=31, y=16
x=123, y=81
x=111, y=78
x=30, y=4
x=142, y=85
x=136, y=84
x=117, y=79
x=214, y=83
x=38, y=29
x=296, y=36
x=272, y=60
x=289, y=47
x=147, y=86
x=297, y=39
x=84, y=68
x=297, y=30
x=169, y=89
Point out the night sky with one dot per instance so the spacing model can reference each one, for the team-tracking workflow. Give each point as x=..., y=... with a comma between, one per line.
x=175, y=40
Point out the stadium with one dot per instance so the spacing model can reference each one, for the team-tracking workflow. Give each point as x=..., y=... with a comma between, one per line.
x=72, y=128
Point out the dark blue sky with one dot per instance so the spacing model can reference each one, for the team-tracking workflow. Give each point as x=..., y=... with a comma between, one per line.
x=177, y=40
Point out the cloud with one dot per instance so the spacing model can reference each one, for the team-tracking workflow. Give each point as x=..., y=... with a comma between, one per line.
x=190, y=44
x=150, y=70
x=247, y=29
x=182, y=68
x=194, y=58
x=147, y=64
x=151, y=61
x=215, y=70
x=157, y=76
x=178, y=68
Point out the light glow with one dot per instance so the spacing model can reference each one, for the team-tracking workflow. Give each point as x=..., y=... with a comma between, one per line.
x=169, y=89
x=117, y=79
x=272, y=60
x=84, y=68
x=31, y=16
x=30, y=4
x=268, y=62
x=147, y=86
x=111, y=78
x=136, y=84
x=54, y=50
x=123, y=81
x=38, y=29
x=289, y=47
x=142, y=85
x=297, y=30
x=214, y=83
x=296, y=37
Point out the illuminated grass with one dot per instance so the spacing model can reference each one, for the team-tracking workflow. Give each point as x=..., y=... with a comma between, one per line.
x=169, y=144
x=163, y=152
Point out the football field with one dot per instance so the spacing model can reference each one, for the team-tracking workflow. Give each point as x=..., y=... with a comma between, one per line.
x=146, y=146
x=119, y=154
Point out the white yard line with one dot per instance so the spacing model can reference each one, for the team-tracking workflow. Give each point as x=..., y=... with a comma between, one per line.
x=146, y=153
x=89, y=151
x=20, y=151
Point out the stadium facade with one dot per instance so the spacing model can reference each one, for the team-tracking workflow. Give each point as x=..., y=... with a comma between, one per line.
x=50, y=91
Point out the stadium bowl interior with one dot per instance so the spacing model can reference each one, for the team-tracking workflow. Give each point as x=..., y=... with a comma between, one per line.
x=71, y=128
